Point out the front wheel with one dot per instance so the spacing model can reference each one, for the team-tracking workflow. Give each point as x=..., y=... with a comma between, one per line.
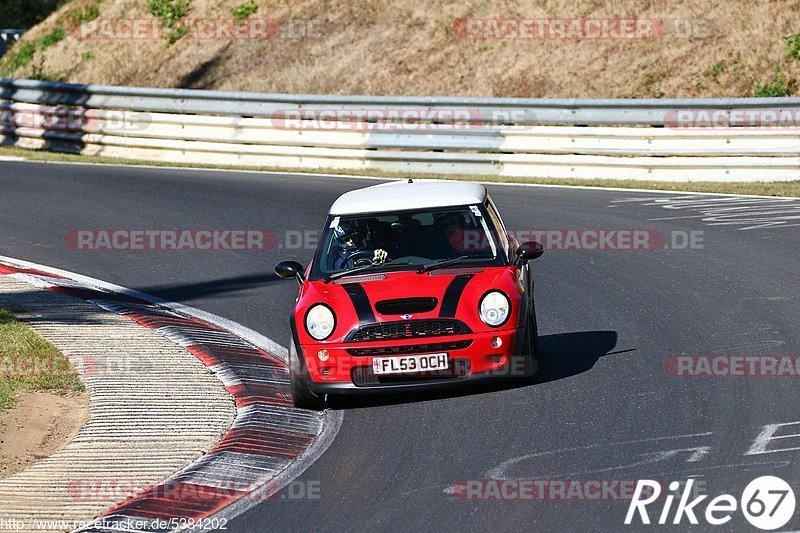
x=302, y=396
x=530, y=345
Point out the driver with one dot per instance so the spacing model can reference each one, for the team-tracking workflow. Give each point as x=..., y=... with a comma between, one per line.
x=451, y=226
x=352, y=238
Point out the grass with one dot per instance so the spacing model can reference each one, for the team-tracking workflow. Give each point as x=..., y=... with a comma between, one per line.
x=53, y=37
x=28, y=362
x=84, y=14
x=777, y=87
x=171, y=12
x=716, y=70
x=762, y=188
x=411, y=48
x=793, y=44
x=244, y=10
x=39, y=72
x=20, y=55
x=23, y=53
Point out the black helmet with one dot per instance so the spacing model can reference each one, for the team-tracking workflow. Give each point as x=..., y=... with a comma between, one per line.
x=355, y=230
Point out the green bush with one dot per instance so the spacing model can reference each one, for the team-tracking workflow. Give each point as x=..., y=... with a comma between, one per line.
x=171, y=12
x=714, y=72
x=793, y=43
x=20, y=55
x=176, y=32
x=53, y=37
x=85, y=14
x=778, y=86
x=245, y=10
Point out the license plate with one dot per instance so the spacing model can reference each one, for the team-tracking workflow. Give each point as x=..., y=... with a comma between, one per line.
x=409, y=363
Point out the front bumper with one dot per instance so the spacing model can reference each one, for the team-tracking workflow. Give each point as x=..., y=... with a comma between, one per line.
x=471, y=358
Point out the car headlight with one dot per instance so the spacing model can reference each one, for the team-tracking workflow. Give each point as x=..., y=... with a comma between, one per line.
x=320, y=322
x=494, y=308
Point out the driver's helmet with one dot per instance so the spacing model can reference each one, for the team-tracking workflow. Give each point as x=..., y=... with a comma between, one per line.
x=356, y=231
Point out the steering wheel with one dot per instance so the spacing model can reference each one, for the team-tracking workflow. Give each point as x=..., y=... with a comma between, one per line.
x=361, y=258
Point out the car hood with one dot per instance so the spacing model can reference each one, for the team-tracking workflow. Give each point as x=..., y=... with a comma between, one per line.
x=362, y=299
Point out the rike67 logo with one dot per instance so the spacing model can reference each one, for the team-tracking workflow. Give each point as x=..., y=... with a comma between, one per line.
x=768, y=503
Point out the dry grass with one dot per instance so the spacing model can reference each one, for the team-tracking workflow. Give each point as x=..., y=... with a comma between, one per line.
x=406, y=47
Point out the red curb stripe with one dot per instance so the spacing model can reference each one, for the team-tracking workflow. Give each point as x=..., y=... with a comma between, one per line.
x=267, y=394
x=264, y=442
x=160, y=321
x=179, y=500
x=186, y=500
x=7, y=269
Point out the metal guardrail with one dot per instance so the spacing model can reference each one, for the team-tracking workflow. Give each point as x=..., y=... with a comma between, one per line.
x=507, y=111
x=583, y=138
x=8, y=37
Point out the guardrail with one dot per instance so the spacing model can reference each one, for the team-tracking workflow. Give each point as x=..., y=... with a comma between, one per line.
x=8, y=37
x=617, y=139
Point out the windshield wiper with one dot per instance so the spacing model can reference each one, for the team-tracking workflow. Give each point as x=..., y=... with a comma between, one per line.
x=356, y=270
x=441, y=263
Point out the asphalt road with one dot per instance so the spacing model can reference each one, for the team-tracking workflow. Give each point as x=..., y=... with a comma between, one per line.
x=605, y=407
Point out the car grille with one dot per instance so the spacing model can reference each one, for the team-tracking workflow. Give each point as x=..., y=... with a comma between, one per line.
x=403, y=306
x=411, y=348
x=362, y=376
x=407, y=329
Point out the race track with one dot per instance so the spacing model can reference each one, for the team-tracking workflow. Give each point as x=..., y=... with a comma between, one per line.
x=605, y=408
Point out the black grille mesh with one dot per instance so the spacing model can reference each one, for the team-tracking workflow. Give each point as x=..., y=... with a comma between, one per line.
x=402, y=306
x=411, y=348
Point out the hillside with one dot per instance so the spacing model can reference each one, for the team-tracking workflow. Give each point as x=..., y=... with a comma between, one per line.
x=681, y=48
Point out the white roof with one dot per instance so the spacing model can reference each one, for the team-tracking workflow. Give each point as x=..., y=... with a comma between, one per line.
x=402, y=195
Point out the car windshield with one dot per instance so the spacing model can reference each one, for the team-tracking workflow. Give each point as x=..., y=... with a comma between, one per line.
x=410, y=240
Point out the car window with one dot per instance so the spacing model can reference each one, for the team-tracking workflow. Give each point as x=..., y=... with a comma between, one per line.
x=410, y=238
x=501, y=228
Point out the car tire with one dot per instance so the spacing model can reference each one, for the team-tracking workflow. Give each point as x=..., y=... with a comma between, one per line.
x=535, y=350
x=302, y=396
x=531, y=348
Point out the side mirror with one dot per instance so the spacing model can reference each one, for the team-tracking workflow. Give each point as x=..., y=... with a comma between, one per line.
x=289, y=270
x=528, y=251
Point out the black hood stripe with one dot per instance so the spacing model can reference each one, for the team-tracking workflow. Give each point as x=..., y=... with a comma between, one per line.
x=453, y=294
x=360, y=302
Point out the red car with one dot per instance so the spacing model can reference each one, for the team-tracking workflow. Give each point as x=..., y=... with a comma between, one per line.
x=413, y=285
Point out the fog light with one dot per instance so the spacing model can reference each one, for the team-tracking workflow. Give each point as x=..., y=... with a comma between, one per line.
x=496, y=342
x=323, y=355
